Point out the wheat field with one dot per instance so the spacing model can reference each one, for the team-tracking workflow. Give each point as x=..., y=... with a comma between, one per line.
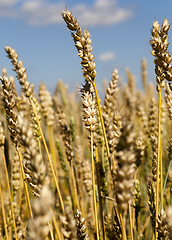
x=74, y=166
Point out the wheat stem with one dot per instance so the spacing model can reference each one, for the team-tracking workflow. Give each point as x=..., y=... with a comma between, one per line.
x=52, y=146
x=145, y=225
x=25, y=183
x=102, y=124
x=123, y=227
x=48, y=155
x=51, y=232
x=166, y=177
x=94, y=191
x=74, y=185
x=20, y=190
x=161, y=173
x=9, y=192
x=78, y=192
x=55, y=225
x=158, y=161
x=3, y=213
x=100, y=197
x=131, y=225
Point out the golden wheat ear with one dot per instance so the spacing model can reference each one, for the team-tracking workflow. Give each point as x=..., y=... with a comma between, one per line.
x=162, y=60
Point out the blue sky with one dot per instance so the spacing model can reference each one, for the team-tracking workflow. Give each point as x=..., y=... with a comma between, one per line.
x=119, y=29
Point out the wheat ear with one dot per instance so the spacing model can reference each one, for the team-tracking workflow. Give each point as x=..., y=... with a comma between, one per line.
x=9, y=103
x=27, y=88
x=89, y=113
x=48, y=112
x=83, y=45
x=159, y=43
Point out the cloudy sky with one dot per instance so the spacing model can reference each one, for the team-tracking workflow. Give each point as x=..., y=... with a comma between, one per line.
x=119, y=31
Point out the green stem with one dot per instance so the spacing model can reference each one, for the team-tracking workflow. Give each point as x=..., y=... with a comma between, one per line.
x=166, y=177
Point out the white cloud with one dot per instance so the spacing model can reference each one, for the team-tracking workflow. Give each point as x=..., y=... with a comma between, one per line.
x=107, y=56
x=7, y=8
x=8, y=3
x=102, y=12
x=44, y=12
x=41, y=12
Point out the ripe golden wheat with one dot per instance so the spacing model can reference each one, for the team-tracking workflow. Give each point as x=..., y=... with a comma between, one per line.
x=78, y=169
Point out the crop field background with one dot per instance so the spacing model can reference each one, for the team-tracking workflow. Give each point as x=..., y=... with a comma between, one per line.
x=85, y=164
